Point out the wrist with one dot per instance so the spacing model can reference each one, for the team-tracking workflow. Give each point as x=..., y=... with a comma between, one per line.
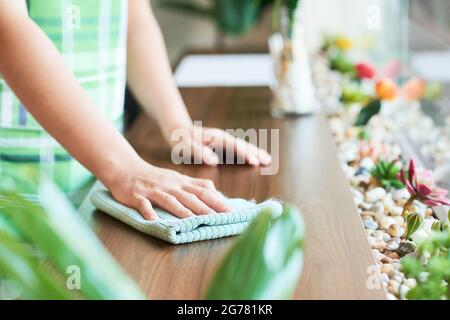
x=114, y=170
x=169, y=128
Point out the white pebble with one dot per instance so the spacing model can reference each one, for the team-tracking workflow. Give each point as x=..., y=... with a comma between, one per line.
x=394, y=287
x=403, y=291
x=367, y=163
x=375, y=195
x=390, y=296
x=401, y=194
x=410, y=282
x=386, y=222
x=396, y=211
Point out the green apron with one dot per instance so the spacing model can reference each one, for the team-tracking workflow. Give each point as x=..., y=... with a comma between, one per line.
x=91, y=36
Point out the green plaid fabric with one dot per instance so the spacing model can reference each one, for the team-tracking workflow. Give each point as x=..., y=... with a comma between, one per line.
x=91, y=36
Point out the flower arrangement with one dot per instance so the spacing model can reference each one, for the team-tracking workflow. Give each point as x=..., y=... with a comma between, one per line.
x=399, y=229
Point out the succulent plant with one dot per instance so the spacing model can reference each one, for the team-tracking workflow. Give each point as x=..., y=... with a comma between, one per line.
x=342, y=64
x=386, y=174
x=413, y=222
x=352, y=93
x=421, y=188
x=430, y=268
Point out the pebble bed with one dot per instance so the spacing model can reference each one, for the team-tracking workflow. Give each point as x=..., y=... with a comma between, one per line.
x=380, y=209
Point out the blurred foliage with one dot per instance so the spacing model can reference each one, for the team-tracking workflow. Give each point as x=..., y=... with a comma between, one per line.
x=54, y=229
x=352, y=93
x=234, y=17
x=265, y=262
x=386, y=174
x=340, y=63
x=431, y=267
x=367, y=112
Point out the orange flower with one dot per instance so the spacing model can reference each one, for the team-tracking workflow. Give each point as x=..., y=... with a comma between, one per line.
x=386, y=89
x=413, y=89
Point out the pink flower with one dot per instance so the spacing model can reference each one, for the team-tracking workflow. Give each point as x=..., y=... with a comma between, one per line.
x=420, y=187
x=392, y=69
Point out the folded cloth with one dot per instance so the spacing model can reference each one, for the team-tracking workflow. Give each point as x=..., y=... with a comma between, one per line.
x=175, y=230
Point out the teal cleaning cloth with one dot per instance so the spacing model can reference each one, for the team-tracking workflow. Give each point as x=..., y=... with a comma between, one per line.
x=175, y=230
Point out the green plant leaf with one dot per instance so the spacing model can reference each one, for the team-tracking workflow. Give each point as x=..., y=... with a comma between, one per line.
x=413, y=223
x=236, y=16
x=342, y=64
x=265, y=262
x=58, y=230
x=397, y=184
x=436, y=226
x=386, y=174
x=20, y=268
x=430, y=267
x=352, y=93
x=368, y=112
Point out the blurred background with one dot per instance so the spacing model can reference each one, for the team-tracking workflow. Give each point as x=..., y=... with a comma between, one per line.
x=428, y=21
x=413, y=33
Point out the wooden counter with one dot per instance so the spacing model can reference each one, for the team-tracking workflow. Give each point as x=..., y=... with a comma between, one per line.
x=338, y=258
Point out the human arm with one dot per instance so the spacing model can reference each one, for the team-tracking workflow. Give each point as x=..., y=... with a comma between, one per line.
x=150, y=78
x=36, y=72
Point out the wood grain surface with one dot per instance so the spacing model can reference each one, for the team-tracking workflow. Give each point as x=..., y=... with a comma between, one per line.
x=338, y=258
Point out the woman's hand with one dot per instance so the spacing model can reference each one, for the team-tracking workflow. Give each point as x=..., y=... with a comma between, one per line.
x=143, y=186
x=201, y=141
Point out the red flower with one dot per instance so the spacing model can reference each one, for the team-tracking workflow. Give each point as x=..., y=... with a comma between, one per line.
x=365, y=70
x=420, y=187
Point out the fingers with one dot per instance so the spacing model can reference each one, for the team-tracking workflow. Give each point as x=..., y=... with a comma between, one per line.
x=191, y=202
x=211, y=198
x=145, y=208
x=205, y=183
x=264, y=157
x=247, y=151
x=169, y=203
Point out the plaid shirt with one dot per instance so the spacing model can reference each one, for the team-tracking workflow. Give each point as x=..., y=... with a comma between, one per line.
x=91, y=36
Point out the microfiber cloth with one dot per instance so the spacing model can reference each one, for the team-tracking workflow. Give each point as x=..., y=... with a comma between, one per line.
x=175, y=230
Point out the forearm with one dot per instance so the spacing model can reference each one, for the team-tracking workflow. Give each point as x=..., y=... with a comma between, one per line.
x=149, y=74
x=37, y=74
